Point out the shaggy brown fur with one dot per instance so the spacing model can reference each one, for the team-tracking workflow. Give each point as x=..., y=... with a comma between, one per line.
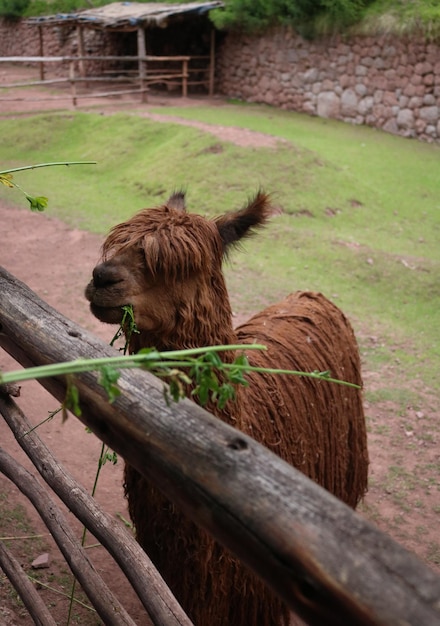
x=167, y=264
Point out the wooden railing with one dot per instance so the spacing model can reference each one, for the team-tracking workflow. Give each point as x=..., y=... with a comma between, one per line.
x=327, y=563
x=171, y=71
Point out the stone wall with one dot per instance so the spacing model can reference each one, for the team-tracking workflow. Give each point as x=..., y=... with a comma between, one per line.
x=21, y=39
x=392, y=84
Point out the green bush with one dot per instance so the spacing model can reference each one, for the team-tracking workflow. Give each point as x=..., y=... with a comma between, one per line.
x=257, y=15
x=13, y=9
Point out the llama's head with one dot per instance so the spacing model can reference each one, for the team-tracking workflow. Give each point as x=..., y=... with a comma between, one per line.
x=166, y=263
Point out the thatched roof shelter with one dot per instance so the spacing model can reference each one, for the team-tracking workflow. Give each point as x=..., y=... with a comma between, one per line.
x=166, y=33
x=129, y=16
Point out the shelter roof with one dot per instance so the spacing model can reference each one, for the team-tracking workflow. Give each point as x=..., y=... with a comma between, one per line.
x=128, y=15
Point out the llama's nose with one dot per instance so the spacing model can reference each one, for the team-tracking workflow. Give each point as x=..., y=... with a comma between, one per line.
x=105, y=275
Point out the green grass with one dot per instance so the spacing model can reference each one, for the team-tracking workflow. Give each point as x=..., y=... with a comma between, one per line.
x=370, y=177
x=360, y=208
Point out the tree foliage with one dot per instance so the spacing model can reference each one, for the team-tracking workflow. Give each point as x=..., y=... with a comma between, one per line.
x=13, y=9
x=257, y=15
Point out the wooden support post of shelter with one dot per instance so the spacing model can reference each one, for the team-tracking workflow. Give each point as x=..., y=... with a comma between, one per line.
x=212, y=63
x=81, y=50
x=41, y=50
x=142, y=53
x=185, y=78
x=72, y=82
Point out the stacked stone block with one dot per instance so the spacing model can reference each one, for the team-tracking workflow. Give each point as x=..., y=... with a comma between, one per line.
x=388, y=83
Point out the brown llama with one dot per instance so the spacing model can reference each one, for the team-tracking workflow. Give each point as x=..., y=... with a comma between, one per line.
x=167, y=264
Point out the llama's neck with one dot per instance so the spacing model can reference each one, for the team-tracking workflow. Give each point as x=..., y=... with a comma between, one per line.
x=182, y=342
x=207, y=324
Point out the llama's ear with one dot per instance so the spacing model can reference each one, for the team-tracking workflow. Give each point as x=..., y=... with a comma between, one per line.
x=176, y=201
x=237, y=225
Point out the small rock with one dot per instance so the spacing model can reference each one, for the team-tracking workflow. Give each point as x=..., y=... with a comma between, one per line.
x=420, y=415
x=41, y=561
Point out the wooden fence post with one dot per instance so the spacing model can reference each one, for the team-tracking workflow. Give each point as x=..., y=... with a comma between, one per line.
x=184, y=78
x=142, y=53
x=212, y=64
x=41, y=51
x=72, y=82
x=81, y=50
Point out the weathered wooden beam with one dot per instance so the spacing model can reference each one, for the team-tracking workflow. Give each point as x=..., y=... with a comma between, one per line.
x=329, y=564
x=150, y=587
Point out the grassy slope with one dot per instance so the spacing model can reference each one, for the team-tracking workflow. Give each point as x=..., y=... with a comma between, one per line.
x=375, y=204
x=360, y=215
x=402, y=17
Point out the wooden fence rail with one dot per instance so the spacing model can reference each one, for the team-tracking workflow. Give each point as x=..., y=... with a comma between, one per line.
x=172, y=71
x=329, y=564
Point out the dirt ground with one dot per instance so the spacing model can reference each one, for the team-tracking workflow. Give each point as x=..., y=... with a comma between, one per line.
x=56, y=262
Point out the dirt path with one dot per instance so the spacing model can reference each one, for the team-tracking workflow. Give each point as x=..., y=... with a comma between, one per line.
x=56, y=263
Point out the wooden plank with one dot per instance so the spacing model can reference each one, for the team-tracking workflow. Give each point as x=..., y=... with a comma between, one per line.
x=160, y=74
x=58, y=59
x=324, y=560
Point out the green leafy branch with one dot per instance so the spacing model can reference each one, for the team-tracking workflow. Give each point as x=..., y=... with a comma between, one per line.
x=179, y=367
x=160, y=363
x=127, y=327
x=37, y=203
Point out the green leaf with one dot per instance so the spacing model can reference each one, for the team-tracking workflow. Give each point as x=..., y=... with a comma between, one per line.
x=226, y=393
x=116, y=336
x=213, y=359
x=241, y=360
x=5, y=179
x=109, y=455
x=109, y=379
x=175, y=389
x=152, y=353
x=37, y=204
x=236, y=376
x=71, y=401
x=324, y=375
